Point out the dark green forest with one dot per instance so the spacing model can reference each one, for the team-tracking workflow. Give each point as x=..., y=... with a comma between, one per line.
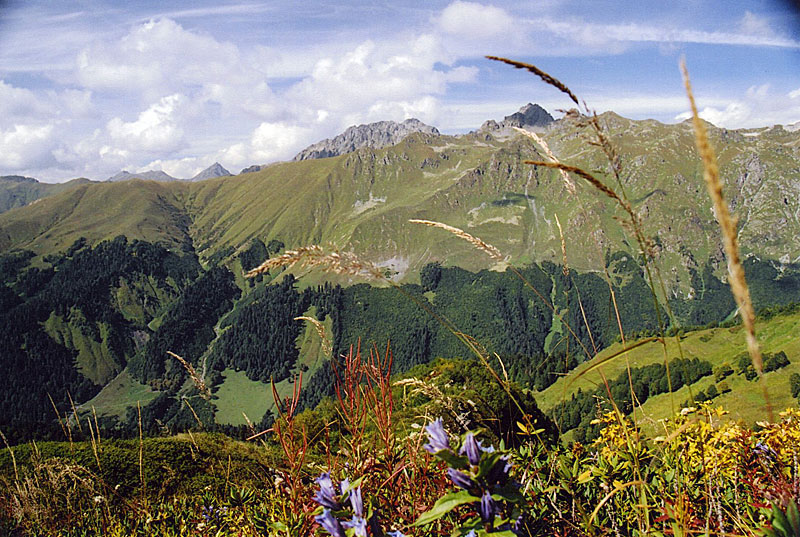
x=138, y=300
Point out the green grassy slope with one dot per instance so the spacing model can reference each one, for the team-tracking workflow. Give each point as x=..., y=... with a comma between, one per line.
x=363, y=200
x=143, y=210
x=745, y=401
x=16, y=191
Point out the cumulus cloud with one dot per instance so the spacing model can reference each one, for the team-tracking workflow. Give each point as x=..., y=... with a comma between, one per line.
x=758, y=107
x=26, y=146
x=182, y=168
x=156, y=56
x=157, y=128
x=475, y=20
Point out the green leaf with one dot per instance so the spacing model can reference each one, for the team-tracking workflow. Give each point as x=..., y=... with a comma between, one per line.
x=444, y=505
x=793, y=516
x=453, y=460
x=779, y=521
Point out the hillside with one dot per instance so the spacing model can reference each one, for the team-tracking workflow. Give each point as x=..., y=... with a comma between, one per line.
x=18, y=191
x=166, y=260
x=721, y=347
x=363, y=200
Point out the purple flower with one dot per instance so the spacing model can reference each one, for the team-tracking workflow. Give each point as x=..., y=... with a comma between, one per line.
x=395, y=533
x=488, y=507
x=437, y=437
x=472, y=448
x=326, y=496
x=763, y=450
x=471, y=534
x=329, y=522
x=461, y=479
x=498, y=474
x=359, y=523
x=356, y=502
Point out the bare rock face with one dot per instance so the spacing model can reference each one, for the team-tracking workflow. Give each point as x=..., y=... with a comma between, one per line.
x=215, y=170
x=530, y=115
x=253, y=168
x=152, y=175
x=374, y=135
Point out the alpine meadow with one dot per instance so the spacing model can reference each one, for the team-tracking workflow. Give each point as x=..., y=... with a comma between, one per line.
x=558, y=323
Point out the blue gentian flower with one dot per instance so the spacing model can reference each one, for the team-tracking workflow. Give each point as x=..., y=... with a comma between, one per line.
x=356, y=502
x=331, y=525
x=472, y=448
x=359, y=523
x=460, y=479
x=326, y=496
x=488, y=507
x=763, y=450
x=437, y=436
x=498, y=474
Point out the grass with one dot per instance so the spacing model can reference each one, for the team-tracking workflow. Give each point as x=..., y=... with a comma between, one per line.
x=716, y=345
x=238, y=394
x=122, y=393
x=704, y=475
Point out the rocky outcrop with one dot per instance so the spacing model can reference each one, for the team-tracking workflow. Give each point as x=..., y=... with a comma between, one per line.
x=253, y=168
x=152, y=175
x=374, y=135
x=530, y=115
x=215, y=170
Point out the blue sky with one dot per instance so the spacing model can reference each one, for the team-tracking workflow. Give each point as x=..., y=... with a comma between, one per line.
x=88, y=88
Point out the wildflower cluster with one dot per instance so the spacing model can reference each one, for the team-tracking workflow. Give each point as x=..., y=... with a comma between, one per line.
x=340, y=521
x=482, y=474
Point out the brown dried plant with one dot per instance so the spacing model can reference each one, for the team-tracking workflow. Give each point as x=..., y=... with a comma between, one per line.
x=490, y=250
x=727, y=223
x=327, y=346
x=199, y=383
x=346, y=263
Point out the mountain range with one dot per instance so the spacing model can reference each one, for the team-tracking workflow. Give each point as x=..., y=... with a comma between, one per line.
x=479, y=182
x=101, y=279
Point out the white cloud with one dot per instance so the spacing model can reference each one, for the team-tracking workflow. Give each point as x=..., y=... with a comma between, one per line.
x=157, y=129
x=475, y=20
x=160, y=57
x=755, y=25
x=26, y=146
x=182, y=168
x=611, y=36
x=272, y=141
x=756, y=108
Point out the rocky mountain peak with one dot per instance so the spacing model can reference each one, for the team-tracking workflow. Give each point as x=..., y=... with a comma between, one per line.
x=374, y=135
x=152, y=175
x=530, y=115
x=215, y=170
x=18, y=179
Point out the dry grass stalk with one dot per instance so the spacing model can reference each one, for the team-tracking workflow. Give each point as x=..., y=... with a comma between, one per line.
x=327, y=346
x=94, y=444
x=75, y=412
x=541, y=74
x=13, y=458
x=539, y=140
x=58, y=416
x=196, y=418
x=199, y=383
x=314, y=256
x=594, y=181
x=490, y=250
x=565, y=268
x=141, y=447
x=741, y=293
